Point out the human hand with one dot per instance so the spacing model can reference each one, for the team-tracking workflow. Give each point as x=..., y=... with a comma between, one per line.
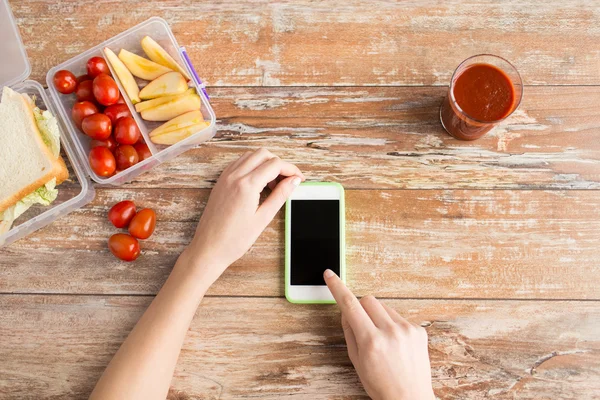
x=389, y=353
x=233, y=218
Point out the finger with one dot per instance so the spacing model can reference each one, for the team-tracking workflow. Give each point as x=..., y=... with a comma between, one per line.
x=350, y=341
x=270, y=170
x=276, y=199
x=397, y=318
x=377, y=313
x=254, y=160
x=357, y=317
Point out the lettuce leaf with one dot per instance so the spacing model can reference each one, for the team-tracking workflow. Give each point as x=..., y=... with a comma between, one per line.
x=43, y=195
x=48, y=126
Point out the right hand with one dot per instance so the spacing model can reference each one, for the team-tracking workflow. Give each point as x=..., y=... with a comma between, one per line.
x=389, y=353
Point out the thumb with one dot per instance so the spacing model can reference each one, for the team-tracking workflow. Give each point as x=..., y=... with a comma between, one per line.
x=277, y=198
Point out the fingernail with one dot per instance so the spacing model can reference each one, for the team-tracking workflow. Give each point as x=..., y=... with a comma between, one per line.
x=296, y=181
x=328, y=273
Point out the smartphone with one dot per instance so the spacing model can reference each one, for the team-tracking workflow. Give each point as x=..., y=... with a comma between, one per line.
x=314, y=241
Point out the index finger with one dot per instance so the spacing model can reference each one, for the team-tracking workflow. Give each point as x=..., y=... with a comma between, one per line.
x=352, y=310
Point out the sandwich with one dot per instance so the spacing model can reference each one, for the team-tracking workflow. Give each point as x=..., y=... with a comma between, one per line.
x=30, y=163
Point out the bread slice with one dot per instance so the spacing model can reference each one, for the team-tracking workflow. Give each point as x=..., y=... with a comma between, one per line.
x=26, y=162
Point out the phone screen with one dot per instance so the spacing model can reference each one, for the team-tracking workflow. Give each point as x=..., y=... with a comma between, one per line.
x=315, y=240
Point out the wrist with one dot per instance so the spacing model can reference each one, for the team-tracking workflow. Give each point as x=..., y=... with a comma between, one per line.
x=200, y=266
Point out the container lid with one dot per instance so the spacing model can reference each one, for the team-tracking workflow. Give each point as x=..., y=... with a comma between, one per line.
x=16, y=67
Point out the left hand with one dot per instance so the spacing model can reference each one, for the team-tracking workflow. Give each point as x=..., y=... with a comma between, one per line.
x=233, y=218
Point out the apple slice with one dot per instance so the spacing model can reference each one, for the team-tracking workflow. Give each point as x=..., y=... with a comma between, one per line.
x=141, y=67
x=184, y=120
x=168, y=84
x=179, y=105
x=145, y=105
x=156, y=53
x=175, y=136
x=127, y=80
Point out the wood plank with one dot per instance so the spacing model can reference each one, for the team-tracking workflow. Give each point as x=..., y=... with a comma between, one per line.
x=57, y=346
x=407, y=244
x=262, y=43
x=392, y=138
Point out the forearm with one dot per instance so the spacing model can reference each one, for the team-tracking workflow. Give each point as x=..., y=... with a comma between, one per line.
x=144, y=365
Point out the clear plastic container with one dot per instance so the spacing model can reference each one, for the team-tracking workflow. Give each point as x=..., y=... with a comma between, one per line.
x=78, y=189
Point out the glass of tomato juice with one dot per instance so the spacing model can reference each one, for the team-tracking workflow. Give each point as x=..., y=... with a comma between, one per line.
x=484, y=90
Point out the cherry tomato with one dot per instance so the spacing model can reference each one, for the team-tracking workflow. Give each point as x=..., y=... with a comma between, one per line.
x=102, y=161
x=143, y=223
x=97, y=126
x=65, y=82
x=117, y=111
x=142, y=150
x=121, y=100
x=126, y=156
x=84, y=91
x=81, y=110
x=82, y=78
x=127, y=131
x=109, y=143
x=97, y=66
x=121, y=213
x=105, y=90
x=123, y=246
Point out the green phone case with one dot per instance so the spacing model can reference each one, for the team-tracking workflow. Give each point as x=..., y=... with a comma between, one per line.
x=288, y=211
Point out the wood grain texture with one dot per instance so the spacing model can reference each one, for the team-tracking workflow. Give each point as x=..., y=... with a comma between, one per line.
x=400, y=243
x=270, y=349
x=264, y=43
x=392, y=138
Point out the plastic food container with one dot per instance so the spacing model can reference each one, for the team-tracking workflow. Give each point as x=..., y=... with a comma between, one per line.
x=78, y=190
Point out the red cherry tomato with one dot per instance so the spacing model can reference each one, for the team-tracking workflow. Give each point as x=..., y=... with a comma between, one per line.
x=97, y=126
x=123, y=246
x=65, y=82
x=102, y=161
x=97, y=66
x=105, y=90
x=84, y=91
x=82, y=78
x=142, y=150
x=127, y=131
x=81, y=110
x=109, y=143
x=117, y=111
x=121, y=100
x=121, y=213
x=143, y=223
x=126, y=156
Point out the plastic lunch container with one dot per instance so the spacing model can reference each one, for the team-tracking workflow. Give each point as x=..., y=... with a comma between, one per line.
x=78, y=190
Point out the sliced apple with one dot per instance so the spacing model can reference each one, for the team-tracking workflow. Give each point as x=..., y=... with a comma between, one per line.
x=168, y=84
x=142, y=67
x=179, y=105
x=145, y=105
x=127, y=80
x=156, y=53
x=184, y=120
x=173, y=137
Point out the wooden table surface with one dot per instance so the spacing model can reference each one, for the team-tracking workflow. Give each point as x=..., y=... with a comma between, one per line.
x=493, y=245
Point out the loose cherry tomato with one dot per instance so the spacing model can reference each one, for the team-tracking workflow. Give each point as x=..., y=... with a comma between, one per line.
x=142, y=150
x=109, y=143
x=65, y=82
x=97, y=66
x=117, y=111
x=123, y=246
x=121, y=213
x=127, y=131
x=126, y=156
x=97, y=126
x=143, y=223
x=121, y=100
x=81, y=110
x=102, y=161
x=105, y=90
x=84, y=91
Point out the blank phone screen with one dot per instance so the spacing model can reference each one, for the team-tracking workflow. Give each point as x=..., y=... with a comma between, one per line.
x=315, y=240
